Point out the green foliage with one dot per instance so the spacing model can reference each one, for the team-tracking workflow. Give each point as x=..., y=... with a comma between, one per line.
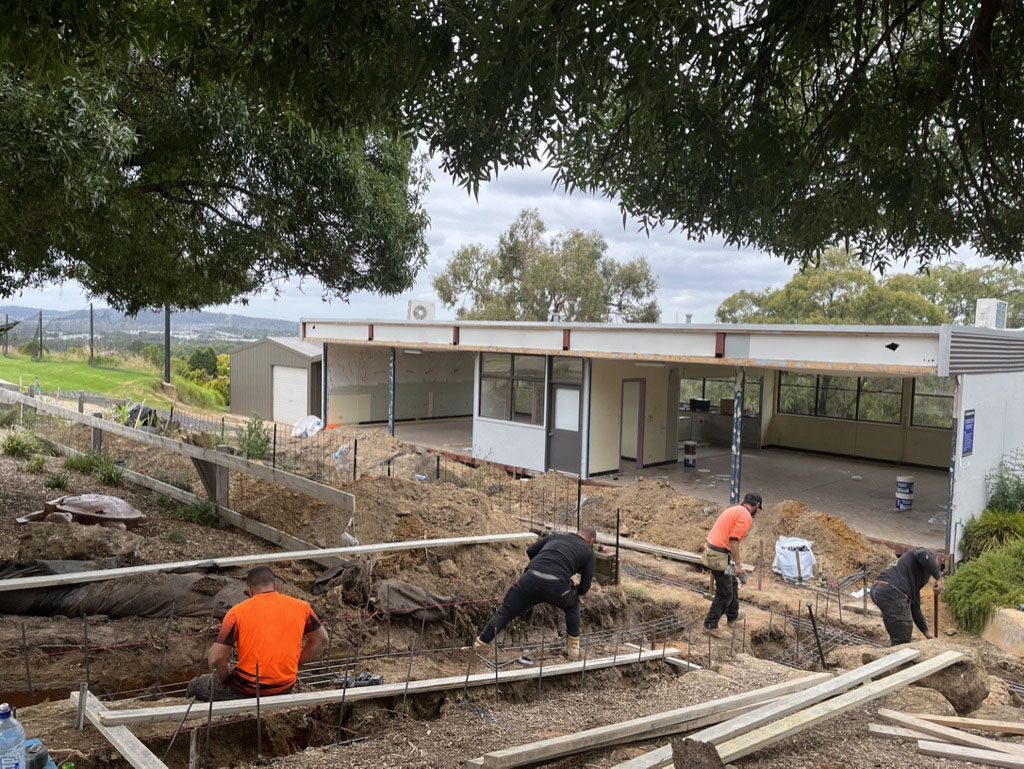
x=31, y=349
x=224, y=365
x=109, y=472
x=192, y=394
x=82, y=463
x=153, y=354
x=203, y=359
x=992, y=581
x=1006, y=485
x=254, y=440
x=993, y=529
x=527, y=277
x=222, y=387
x=57, y=481
x=178, y=537
x=36, y=464
x=8, y=416
x=202, y=512
x=20, y=443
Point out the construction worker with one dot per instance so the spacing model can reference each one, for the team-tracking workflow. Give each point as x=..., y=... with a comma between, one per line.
x=723, y=556
x=897, y=593
x=554, y=560
x=274, y=634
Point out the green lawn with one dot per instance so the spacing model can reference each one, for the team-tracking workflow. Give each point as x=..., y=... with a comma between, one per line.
x=58, y=373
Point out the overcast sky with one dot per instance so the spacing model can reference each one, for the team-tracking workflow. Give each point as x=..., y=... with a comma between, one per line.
x=694, y=277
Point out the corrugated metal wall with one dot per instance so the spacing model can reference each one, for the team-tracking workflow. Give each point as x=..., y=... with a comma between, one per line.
x=252, y=383
x=974, y=352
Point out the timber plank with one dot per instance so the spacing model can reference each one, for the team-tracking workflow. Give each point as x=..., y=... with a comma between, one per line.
x=949, y=734
x=971, y=755
x=887, y=732
x=977, y=724
x=120, y=737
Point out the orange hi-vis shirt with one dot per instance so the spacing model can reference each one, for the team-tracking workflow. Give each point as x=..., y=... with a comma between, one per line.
x=268, y=629
x=733, y=523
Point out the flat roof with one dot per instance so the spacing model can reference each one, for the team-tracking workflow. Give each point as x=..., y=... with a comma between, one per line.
x=891, y=350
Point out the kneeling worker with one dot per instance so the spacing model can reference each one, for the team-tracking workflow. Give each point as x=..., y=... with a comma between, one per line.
x=897, y=592
x=274, y=634
x=554, y=559
x=722, y=555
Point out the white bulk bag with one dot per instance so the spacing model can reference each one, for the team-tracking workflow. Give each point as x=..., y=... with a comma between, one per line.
x=787, y=550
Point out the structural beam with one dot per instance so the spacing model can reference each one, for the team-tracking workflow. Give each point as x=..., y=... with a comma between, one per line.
x=737, y=438
x=101, y=575
x=392, y=386
x=310, y=699
x=122, y=740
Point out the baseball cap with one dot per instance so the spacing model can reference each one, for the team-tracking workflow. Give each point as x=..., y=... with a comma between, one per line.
x=753, y=498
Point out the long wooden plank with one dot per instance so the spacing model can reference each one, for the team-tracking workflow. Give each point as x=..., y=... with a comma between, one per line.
x=638, y=728
x=779, y=730
x=120, y=737
x=100, y=575
x=750, y=721
x=291, y=481
x=309, y=699
x=948, y=734
x=887, y=732
x=971, y=755
x=977, y=724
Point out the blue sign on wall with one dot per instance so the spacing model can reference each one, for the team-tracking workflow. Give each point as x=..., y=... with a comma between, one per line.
x=967, y=447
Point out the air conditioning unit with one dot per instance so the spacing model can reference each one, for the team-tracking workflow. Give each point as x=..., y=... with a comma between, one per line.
x=990, y=313
x=420, y=310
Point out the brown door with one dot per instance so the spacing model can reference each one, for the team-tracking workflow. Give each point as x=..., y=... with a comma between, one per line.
x=565, y=443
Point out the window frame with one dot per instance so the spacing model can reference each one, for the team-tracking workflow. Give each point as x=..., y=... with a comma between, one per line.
x=913, y=408
x=513, y=379
x=857, y=389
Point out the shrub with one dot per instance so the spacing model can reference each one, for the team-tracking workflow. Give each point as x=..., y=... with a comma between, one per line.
x=109, y=472
x=20, y=443
x=204, y=359
x=223, y=366
x=82, y=463
x=254, y=440
x=202, y=512
x=192, y=394
x=35, y=465
x=1006, y=485
x=57, y=481
x=221, y=386
x=993, y=529
x=153, y=354
x=992, y=581
x=178, y=538
x=8, y=417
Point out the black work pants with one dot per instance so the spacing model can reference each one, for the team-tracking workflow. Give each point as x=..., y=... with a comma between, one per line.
x=726, y=600
x=895, y=607
x=529, y=591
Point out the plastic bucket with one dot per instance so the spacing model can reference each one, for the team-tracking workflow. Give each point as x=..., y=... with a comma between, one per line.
x=689, y=453
x=904, y=492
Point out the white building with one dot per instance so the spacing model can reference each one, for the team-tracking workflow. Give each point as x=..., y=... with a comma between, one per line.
x=581, y=398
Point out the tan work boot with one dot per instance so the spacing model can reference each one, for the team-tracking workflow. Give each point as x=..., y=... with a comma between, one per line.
x=572, y=647
x=480, y=645
x=731, y=622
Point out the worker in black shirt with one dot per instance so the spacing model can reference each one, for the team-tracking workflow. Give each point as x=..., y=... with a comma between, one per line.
x=554, y=559
x=897, y=592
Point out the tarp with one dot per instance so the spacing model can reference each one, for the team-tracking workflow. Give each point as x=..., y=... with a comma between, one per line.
x=307, y=427
x=787, y=550
x=401, y=599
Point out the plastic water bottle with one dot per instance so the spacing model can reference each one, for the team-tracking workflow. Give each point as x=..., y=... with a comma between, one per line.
x=12, y=740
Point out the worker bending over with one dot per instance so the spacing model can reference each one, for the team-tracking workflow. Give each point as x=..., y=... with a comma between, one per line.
x=723, y=556
x=897, y=592
x=554, y=560
x=274, y=634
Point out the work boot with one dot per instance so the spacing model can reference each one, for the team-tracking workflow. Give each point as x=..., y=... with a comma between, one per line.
x=480, y=645
x=572, y=647
x=714, y=632
x=731, y=622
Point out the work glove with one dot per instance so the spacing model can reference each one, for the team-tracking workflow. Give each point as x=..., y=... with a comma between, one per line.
x=731, y=569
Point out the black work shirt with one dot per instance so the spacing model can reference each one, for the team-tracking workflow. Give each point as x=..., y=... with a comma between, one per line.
x=911, y=573
x=562, y=555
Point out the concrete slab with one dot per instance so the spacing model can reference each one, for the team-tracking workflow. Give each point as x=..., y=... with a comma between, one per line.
x=448, y=434
x=861, y=492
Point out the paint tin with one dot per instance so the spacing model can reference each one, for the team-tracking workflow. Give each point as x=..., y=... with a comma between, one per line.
x=689, y=454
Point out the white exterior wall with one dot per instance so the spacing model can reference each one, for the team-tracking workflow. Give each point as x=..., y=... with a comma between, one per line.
x=508, y=443
x=998, y=404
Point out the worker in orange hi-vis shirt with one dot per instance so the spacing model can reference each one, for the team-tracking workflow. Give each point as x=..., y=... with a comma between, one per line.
x=274, y=634
x=723, y=556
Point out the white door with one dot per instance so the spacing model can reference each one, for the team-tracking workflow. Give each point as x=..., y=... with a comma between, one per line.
x=290, y=394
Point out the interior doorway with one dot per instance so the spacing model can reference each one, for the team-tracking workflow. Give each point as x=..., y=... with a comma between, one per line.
x=631, y=432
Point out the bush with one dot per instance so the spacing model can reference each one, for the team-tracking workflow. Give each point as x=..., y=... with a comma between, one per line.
x=8, y=417
x=204, y=359
x=58, y=481
x=221, y=386
x=20, y=444
x=993, y=529
x=109, y=472
x=35, y=465
x=223, y=366
x=178, y=538
x=153, y=354
x=254, y=440
x=192, y=394
x=992, y=581
x=203, y=513
x=1006, y=485
x=82, y=463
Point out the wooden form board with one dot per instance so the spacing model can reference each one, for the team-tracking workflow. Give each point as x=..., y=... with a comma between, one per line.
x=309, y=699
x=100, y=575
x=977, y=724
x=647, y=727
x=120, y=737
x=886, y=732
x=949, y=734
x=785, y=727
x=297, y=483
x=972, y=755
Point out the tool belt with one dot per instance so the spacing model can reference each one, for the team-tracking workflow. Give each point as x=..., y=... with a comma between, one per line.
x=715, y=558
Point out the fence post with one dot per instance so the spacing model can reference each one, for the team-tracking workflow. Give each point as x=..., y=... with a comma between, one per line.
x=97, y=436
x=355, y=456
x=81, y=403
x=222, y=429
x=273, y=456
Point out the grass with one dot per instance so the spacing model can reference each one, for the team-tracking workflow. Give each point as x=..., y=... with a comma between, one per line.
x=20, y=444
x=192, y=394
x=56, y=373
x=203, y=513
x=57, y=481
x=35, y=465
x=109, y=472
x=82, y=463
x=992, y=530
x=8, y=417
x=980, y=587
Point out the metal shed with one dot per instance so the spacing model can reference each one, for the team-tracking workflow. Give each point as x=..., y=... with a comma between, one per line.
x=277, y=378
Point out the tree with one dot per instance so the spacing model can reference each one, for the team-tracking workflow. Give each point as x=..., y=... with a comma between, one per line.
x=567, y=277
x=152, y=189
x=787, y=126
x=957, y=288
x=839, y=291
x=204, y=359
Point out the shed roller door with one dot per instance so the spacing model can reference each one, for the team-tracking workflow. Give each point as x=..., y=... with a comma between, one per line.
x=291, y=387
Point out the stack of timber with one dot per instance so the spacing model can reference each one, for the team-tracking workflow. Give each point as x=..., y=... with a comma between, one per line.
x=938, y=736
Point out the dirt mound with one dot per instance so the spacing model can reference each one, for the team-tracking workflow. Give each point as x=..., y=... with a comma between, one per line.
x=73, y=541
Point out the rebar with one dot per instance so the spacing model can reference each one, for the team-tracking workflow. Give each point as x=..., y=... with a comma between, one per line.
x=85, y=641
x=28, y=664
x=177, y=731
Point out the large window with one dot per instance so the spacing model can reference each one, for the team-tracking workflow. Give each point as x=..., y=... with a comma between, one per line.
x=715, y=390
x=512, y=387
x=865, y=399
x=933, y=402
